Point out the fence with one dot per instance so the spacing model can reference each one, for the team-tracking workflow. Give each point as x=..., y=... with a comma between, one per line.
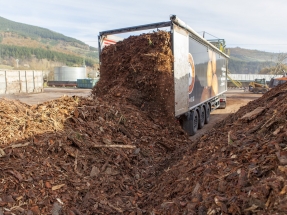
x=12, y=81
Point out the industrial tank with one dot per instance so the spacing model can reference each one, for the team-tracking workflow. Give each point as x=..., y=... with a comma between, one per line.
x=66, y=73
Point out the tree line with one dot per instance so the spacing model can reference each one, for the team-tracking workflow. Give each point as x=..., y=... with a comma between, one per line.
x=20, y=52
x=33, y=32
x=247, y=67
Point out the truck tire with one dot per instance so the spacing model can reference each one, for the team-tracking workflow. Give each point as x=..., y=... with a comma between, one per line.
x=201, y=120
x=207, y=114
x=195, y=120
x=190, y=123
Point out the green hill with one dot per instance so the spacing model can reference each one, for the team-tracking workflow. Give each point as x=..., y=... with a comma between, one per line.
x=251, y=55
x=33, y=45
x=246, y=61
x=33, y=32
x=40, y=53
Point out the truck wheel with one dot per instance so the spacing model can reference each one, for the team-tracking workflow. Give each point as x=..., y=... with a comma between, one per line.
x=207, y=114
x=195, y=121
x=190, y=123
x=201, y=118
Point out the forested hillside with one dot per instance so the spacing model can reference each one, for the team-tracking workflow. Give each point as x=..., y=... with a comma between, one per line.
x=40, y=53
x=246, y=61
x=33, y=32
x=32, y=46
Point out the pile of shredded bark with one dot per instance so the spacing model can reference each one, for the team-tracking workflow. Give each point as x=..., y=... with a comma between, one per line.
x=138, y=71
x=239, y=167
x=120, y=151
x=20, y=121
x=97, y=164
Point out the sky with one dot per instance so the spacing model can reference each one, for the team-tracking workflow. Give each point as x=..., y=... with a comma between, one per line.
x=251, y=24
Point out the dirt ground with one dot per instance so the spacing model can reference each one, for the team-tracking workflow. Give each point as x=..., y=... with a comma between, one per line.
x=48, y=95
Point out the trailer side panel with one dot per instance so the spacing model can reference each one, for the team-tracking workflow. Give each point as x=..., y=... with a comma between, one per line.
x=181, y=69
x=209, y=75
x=199, y=71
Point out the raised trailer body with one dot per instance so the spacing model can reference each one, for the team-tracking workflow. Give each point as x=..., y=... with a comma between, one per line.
x=200, y=72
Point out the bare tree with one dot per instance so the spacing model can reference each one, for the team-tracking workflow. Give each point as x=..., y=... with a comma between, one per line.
x=280, y=65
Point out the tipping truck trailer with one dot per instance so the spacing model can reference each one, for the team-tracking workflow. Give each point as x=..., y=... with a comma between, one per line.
x=274, y=82
x=199, y=68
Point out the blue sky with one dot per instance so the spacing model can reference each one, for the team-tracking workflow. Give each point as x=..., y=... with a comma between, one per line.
x=252, y=24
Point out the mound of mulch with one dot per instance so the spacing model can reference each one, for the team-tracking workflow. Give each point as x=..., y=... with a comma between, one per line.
x=98, y=163
x=121, y=151
x=239, y=167
x=19, y=121
x=138, y=71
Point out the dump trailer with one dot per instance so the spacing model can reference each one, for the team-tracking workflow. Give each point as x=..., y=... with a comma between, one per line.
x=199, y=70
x=274, y=82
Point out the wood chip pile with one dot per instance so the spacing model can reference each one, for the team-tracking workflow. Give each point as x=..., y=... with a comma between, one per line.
x=239, y=167
x=97, y=163
x=121, y=151
x=19, y=121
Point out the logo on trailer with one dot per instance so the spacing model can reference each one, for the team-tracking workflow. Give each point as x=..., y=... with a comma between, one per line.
x=191, y=73
x=110, y=40
x=107, y=42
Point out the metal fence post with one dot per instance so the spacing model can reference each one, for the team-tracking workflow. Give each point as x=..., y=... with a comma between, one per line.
x=33, y=81
x=20, y=88
x=5, y=82
x=26, y=82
